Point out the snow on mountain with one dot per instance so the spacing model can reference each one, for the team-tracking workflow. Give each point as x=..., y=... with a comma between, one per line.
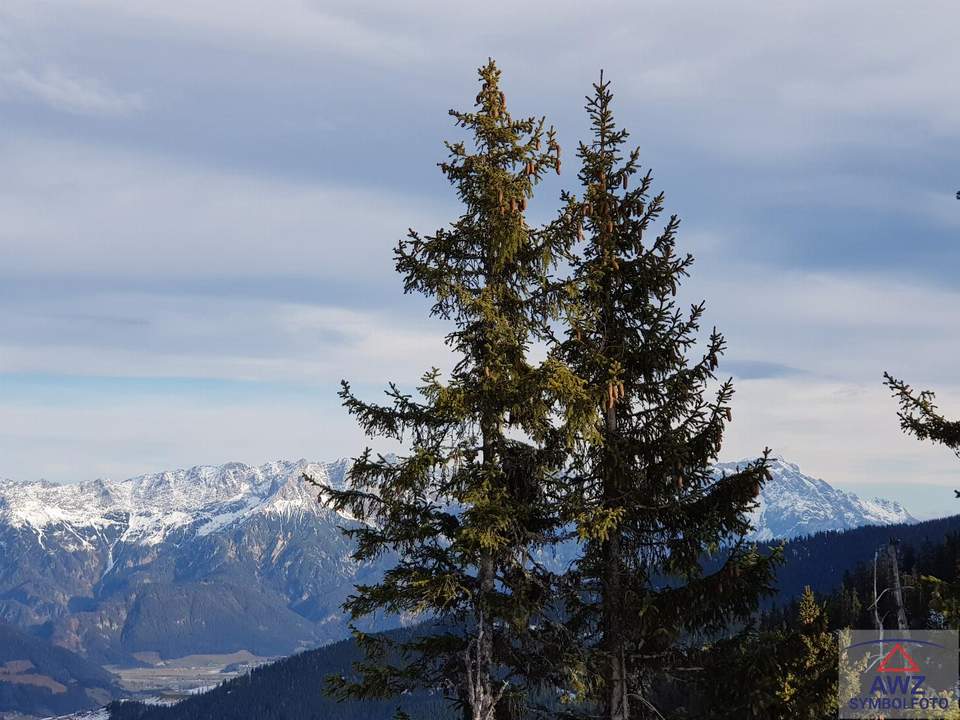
x=205, y=560
x=217, y=559
x=792, y=504
x=147, y=508
x=209, y=498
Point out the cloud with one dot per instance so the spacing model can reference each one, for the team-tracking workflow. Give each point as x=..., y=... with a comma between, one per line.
x=79, y=96
x=71, y=208
x=115, y=435
x=839, y=326
x=759, y=369
x=212, y=190
x=175, y=336
x=840, y=431
x=281, y=26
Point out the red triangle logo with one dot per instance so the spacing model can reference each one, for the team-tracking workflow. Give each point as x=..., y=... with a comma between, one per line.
x=909, y=664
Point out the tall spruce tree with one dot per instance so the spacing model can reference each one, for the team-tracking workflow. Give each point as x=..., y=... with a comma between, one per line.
x=645, y=500
x=467, y=505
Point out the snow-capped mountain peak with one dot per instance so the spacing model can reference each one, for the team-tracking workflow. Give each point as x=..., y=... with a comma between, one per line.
x=793, y=504
x=207, y=498
x=148, y=507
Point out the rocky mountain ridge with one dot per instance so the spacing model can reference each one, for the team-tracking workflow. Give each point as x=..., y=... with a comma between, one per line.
x=217, y=559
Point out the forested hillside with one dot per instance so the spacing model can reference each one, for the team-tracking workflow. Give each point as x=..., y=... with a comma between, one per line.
x=39, y=678
x=821, y=560
x=289, y=689
x=833, y=564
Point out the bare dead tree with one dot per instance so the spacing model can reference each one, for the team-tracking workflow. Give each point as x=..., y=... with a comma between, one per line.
x=897, y=590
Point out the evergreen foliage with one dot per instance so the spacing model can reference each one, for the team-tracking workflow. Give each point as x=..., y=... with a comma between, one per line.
x=469, y=505
x=642, y=494
x=826, y=560
x=788, y=672
x=920, y=417
x=610, y=441
x=929, y=567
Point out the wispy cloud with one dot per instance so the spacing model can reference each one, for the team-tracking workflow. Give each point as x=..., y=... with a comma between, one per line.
x=70, y=94
x=280, y=26
x=217, y=338
x=140, y=214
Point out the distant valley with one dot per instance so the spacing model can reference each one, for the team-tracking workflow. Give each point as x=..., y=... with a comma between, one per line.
x=215, y=560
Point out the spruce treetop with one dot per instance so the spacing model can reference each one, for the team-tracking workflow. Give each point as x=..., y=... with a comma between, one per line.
x=466, y=507
x=644, y=498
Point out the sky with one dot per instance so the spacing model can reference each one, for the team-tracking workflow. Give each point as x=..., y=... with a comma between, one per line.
x=199, y=201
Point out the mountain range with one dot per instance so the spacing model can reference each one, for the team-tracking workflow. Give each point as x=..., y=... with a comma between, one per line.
x=207, y=560
x=218, y=559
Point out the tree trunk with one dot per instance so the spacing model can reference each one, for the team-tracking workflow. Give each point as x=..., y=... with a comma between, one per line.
x=618, y=705
x=482, y=697
x=876, y=609
x=617, y=699
x=897, y=590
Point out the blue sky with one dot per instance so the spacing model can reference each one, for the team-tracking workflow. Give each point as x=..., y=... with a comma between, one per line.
x=198, y=203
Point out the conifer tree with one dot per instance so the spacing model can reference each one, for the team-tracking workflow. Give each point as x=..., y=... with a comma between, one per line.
x=644, y=499
x=809, y=665
x=466, y=507
x=785, y=673
x=920, y=417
